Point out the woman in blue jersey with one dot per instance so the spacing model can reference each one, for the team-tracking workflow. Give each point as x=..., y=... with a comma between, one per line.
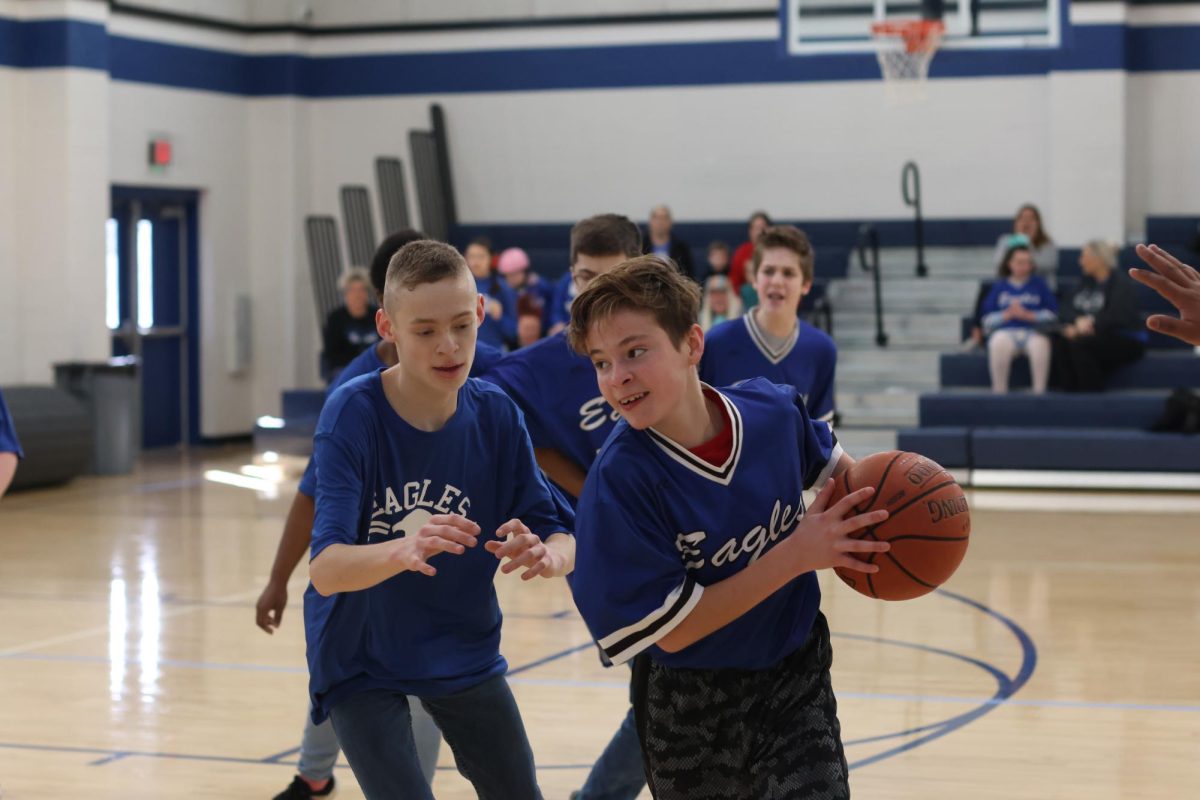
x=1017, y=305
x=696, y=555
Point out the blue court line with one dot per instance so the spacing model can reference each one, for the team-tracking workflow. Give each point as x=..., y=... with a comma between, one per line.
x=1006, y=687
x=280, y=756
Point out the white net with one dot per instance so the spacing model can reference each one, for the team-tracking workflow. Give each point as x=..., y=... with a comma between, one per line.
x=904, y=51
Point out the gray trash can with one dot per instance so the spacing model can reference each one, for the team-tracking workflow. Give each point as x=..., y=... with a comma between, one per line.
x=109, y=389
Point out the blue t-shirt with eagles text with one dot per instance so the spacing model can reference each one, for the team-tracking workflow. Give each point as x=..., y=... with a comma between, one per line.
x=381, y=479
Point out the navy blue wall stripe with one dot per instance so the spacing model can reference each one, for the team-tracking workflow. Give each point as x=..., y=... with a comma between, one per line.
x=34, y=44
x=74, y=43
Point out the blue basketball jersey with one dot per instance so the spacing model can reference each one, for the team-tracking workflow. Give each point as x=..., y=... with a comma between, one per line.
x=557, y=390
x=8, y=434
x=498, y=332
x=656, y=524
x=382, y=479
x=368, y=361
x=737, y=350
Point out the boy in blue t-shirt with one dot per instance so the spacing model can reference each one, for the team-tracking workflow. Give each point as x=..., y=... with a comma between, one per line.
x=568, y=421
x=318, y=744
x=696, y=555
x=10, y=448
x=1017, y=305
x=416, y=462
x=555, y=387
x=770, y=340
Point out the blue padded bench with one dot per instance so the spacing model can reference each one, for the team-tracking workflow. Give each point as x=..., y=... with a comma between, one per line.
x=1052, y=410
x=1158, y=370
x=949, y=446
x=1084, y=449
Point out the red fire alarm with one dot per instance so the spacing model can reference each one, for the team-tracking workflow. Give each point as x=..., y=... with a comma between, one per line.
x=160, y=153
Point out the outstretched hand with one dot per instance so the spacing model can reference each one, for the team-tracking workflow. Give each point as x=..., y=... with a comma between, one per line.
x=524, y=548
x=1179, y=284
x=443, y=533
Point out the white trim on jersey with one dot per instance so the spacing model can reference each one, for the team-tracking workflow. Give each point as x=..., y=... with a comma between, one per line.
x=622, y=645
x=835, y=456
x=722, y=474
x=761, y=341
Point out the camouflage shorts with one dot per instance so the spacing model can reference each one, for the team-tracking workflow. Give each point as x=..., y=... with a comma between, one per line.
x=723, y=734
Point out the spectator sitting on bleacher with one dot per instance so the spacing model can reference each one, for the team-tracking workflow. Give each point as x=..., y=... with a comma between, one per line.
x=759, y=222
x=1028, y=223
x=661, y=241
x=10, y=448
x=350, y=328
x=513, y=264
x=1179, y=284
x=1102, y=327
x=720, y=303
x=529, y=319
x=1012, y=312
x=499, y=327
x=718, y=259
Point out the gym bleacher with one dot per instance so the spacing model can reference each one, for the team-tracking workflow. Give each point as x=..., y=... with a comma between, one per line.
x=965, y=426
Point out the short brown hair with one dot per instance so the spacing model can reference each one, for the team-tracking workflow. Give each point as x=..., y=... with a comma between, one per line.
x=605, y=235
x=791, y=238
x=419, y=263
x=647, y=283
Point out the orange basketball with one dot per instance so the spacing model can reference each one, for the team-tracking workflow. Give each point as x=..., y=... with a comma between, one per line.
x=928, y=526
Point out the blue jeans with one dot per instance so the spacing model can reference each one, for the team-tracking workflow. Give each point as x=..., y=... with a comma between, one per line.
x=319, y=746
x=482, y=726
x=618, y=774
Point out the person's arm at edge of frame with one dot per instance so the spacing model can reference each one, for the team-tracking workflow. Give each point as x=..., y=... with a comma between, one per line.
x=8, y=468
x=293, y=544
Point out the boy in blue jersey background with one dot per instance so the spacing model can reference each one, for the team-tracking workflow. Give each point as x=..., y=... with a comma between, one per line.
x=770, y=340
x=568, y=421
x=696, y=554
x=1011, y=314
x=318, y=744
x=416, y=463
x=555, y=387
x=10, y=448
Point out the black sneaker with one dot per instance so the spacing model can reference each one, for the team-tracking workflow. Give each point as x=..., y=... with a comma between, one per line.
x=300, y=790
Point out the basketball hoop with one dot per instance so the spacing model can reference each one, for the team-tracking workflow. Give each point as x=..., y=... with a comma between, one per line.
x=904, y=49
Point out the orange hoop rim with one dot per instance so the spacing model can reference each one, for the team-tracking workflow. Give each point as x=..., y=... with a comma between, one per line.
x=919, y=35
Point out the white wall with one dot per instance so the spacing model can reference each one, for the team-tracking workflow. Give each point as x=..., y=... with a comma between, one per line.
x=1098, y=151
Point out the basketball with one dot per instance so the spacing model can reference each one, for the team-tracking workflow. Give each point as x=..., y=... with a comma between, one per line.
x=929, y=524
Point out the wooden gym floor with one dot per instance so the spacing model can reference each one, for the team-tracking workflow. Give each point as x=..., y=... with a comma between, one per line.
x=1061, y=662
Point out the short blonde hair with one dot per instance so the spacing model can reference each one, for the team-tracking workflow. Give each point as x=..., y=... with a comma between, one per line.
x=352, y=275
x=1105, y=251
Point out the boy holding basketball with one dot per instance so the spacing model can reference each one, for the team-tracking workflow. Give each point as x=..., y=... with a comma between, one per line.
x=416, y=462
x=770, y=340
x=696, y=553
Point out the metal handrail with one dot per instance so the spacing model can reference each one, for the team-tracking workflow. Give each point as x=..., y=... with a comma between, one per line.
x=867, y=248
x=911, y=173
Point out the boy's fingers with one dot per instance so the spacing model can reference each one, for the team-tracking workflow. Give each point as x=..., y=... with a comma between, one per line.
x=860, y=521
x=457, y=521
x=514, y=546
x=853, y=500
x=864, y=546
x=822, y=499
x=852, y=563
x=451, y=533
x=534, y=571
